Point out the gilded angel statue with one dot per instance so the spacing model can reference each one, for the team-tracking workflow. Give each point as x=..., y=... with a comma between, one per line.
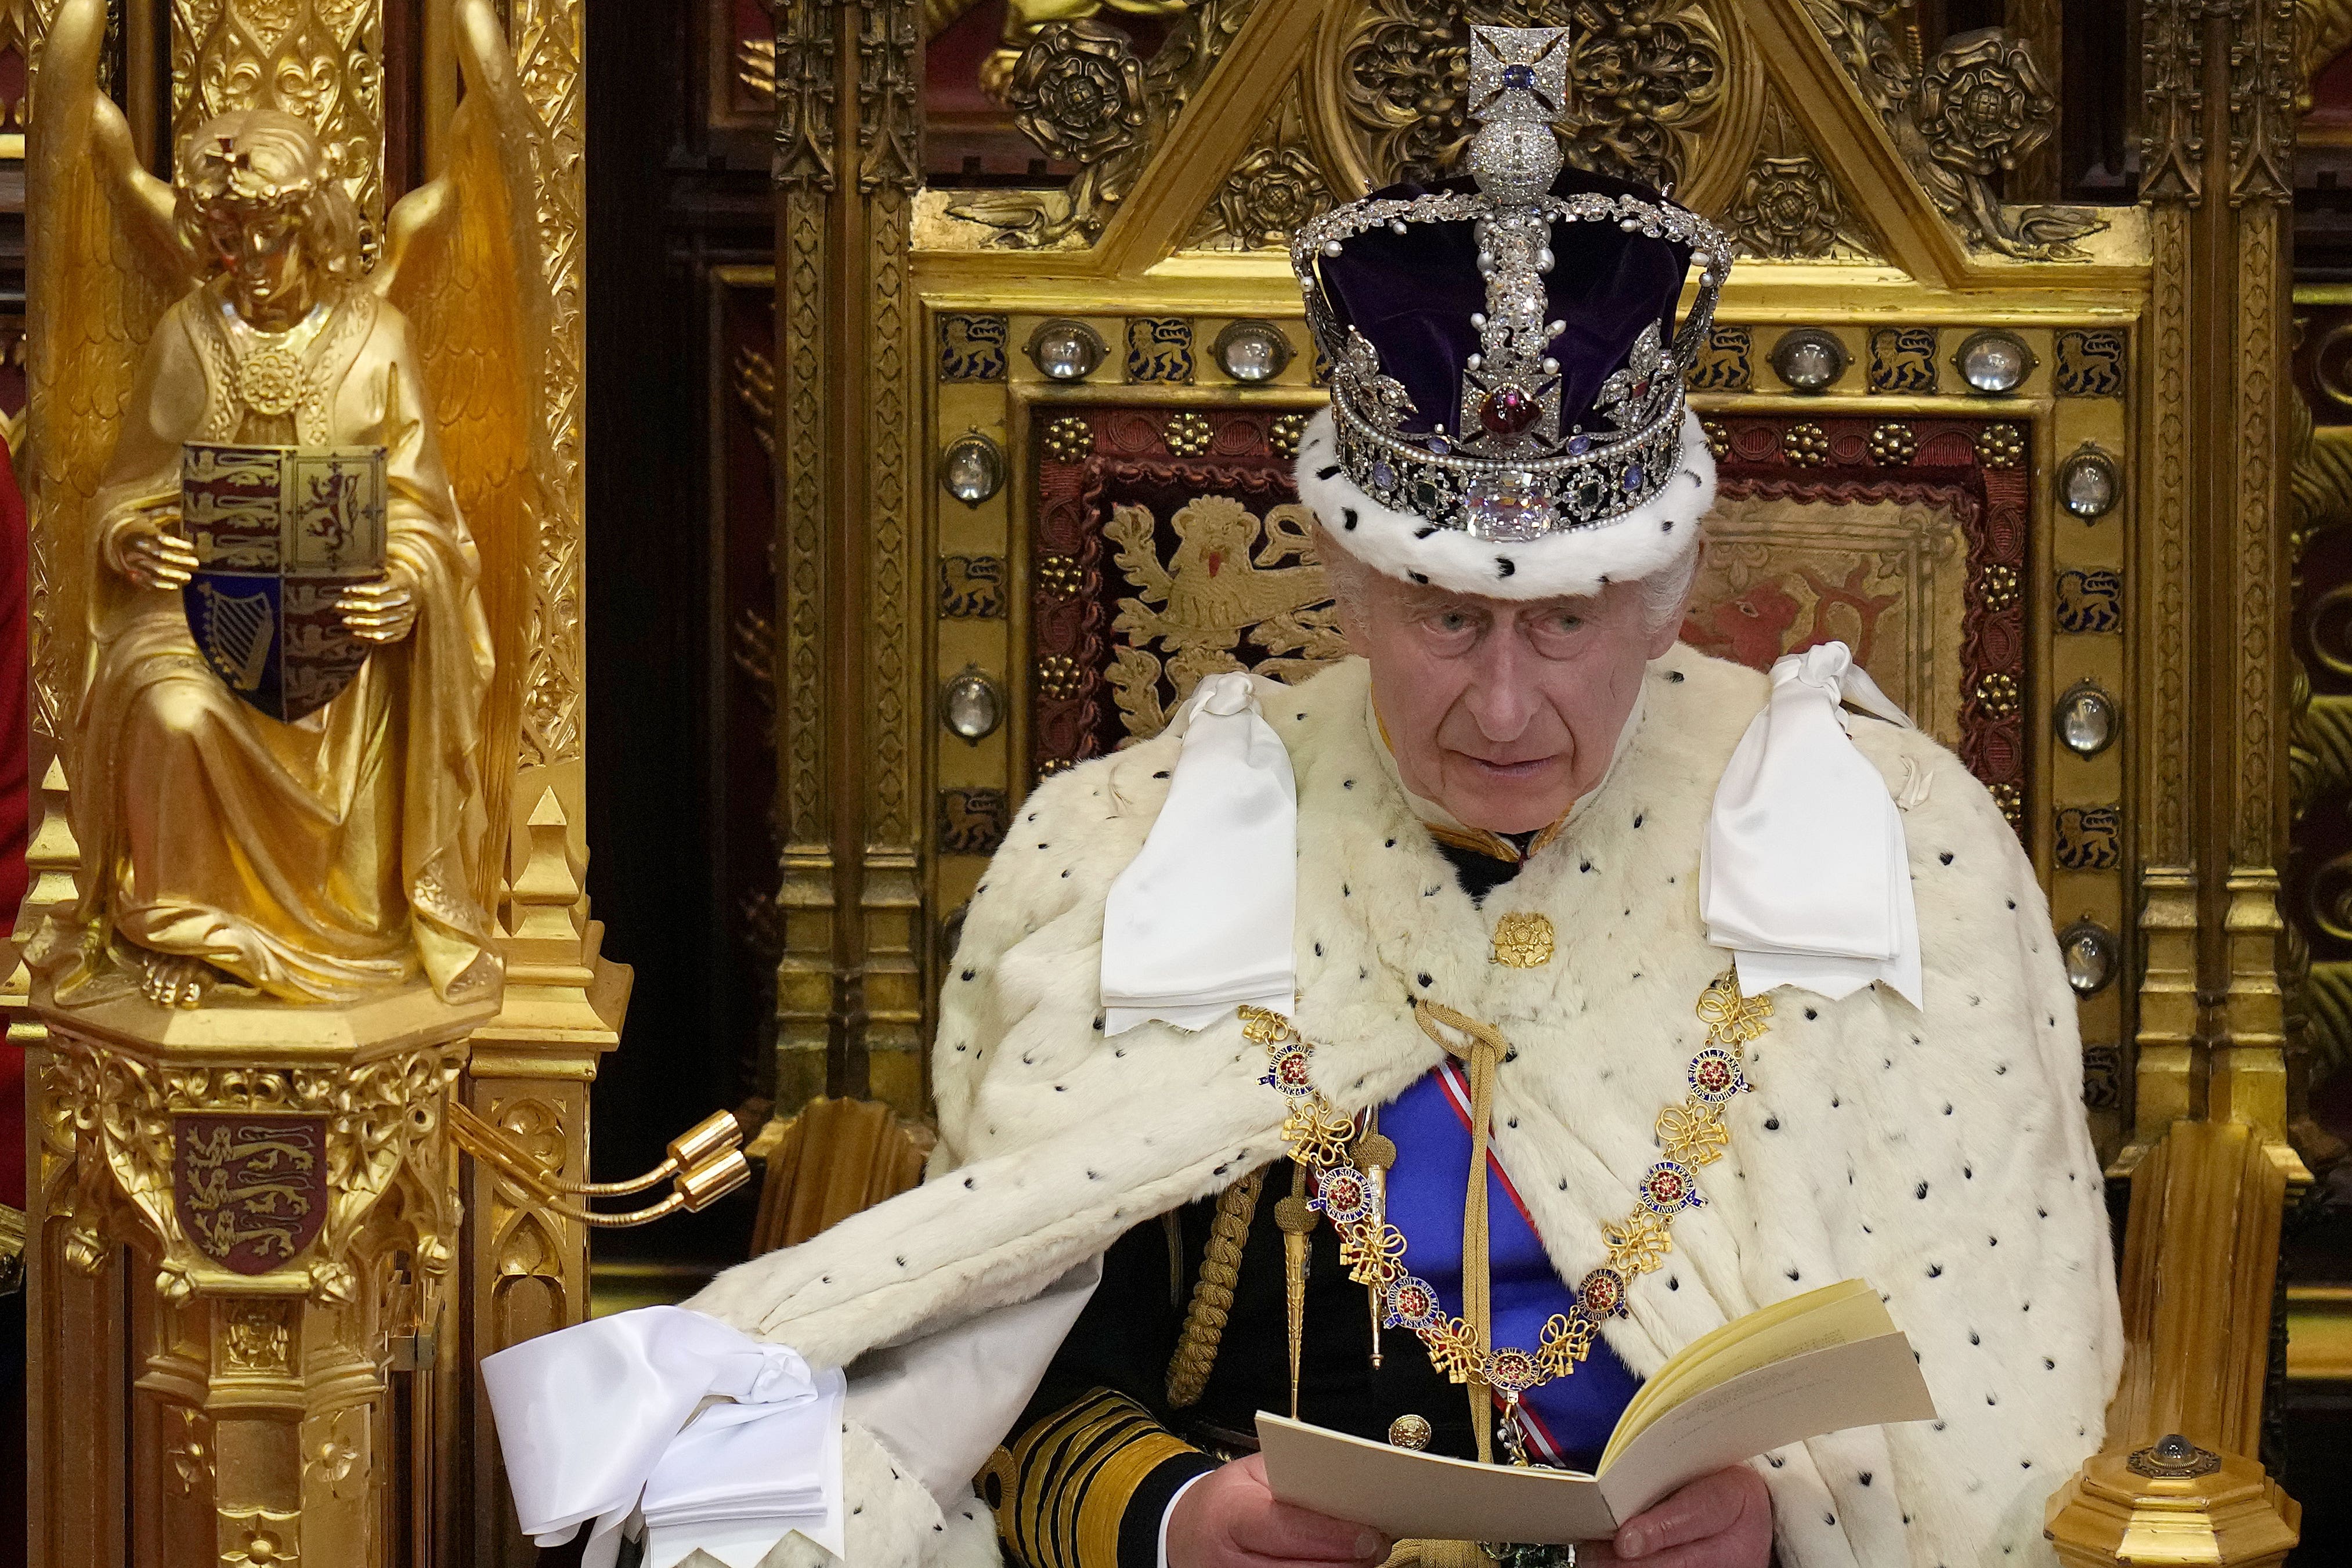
x=282, y=784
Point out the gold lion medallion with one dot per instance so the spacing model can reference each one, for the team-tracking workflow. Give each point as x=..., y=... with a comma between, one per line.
x=1523, y=940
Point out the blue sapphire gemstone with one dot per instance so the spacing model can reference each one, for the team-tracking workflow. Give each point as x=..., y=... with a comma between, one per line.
x=1633, y=478
x=1578, y=445
x=1383, y=477
x=1439, y=446
x=1520, y=77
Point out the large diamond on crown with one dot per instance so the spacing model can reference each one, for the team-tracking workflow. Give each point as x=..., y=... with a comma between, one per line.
x=1507, y=506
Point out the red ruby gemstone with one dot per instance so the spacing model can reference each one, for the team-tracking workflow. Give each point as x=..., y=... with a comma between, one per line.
x=1508, y=411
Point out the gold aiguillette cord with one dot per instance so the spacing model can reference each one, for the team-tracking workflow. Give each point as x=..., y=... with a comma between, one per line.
x=1485, y=1054
x=1297, y=1223
x=1375, y=1155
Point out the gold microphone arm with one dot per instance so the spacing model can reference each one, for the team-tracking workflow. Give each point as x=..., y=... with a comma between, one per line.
x=704, y=1164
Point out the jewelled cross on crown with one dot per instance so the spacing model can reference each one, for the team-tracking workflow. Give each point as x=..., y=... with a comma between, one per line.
x=1519, y=86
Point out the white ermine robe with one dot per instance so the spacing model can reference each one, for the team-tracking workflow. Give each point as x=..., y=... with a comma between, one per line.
x=1942, y=1155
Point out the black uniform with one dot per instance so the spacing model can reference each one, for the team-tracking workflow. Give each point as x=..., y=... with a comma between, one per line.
x=1088, y=1473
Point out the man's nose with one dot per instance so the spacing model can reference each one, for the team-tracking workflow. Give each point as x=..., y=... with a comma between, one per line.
x=1501, y=697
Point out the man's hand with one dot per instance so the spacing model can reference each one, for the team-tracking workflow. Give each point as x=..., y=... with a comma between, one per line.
x=1722, y=1520
x=1229, y=1519
x=155, y=554
x=381, y=612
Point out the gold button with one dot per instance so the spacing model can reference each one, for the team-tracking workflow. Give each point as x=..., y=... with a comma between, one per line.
x=1409, y=1432
x=1523, y=940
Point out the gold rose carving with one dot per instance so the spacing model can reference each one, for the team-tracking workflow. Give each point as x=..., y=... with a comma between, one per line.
x=1077, y=88
x=1789, y=208
x=1976, y=109
x=1217, y=587
x=1276, y=187
x=232, y=355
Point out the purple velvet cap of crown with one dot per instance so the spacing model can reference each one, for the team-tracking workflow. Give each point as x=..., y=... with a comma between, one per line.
x=1412, y=296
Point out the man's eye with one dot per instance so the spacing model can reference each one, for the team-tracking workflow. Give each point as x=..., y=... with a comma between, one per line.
x=1449, y=623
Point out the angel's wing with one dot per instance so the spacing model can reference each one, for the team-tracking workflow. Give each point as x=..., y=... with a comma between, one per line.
x=104, y=262
x=462, y=263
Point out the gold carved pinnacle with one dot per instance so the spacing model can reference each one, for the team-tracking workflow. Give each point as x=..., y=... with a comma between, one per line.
x=53, y=857
x=544, y=909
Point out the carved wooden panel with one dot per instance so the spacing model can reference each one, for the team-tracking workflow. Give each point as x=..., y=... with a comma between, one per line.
x=741, y=671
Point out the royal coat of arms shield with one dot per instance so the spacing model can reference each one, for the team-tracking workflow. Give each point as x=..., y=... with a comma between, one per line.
x=281, y=532
x=251, y=1189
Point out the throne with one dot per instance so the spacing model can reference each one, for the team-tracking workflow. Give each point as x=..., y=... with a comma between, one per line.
x=1981, y=433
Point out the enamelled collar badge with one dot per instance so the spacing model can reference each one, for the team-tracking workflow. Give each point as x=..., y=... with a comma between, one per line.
x=1513, y=468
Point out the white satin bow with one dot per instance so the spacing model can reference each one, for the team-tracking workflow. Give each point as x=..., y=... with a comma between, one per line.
x=590, y=1423
x=1805, y=875
x=1201, y=920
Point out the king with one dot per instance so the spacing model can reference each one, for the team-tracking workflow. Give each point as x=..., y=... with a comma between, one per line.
x=1433, y=1050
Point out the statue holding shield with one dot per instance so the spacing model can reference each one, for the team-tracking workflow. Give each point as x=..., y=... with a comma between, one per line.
x=292, y=739
x=279, y=771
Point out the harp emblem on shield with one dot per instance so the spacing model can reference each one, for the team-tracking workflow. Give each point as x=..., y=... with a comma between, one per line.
x=238, y=634
x=281, y=532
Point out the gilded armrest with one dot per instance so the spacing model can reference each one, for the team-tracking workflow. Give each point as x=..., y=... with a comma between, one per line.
x=2177, y=1482
x=835, y=1158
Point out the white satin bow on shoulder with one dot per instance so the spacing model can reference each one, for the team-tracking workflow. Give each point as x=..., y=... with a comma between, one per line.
x=1201, y=920
x=1806, y=875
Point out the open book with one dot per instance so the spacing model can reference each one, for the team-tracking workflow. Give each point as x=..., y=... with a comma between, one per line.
x=1815, y=1363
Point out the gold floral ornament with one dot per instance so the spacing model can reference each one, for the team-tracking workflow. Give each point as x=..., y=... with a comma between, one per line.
x=1078, y=92
x=2001, y=445
x=1282, y=436
x=1892, y=443
x=1690, y=1136
x=1806, y=445
x=1997, y=693
x=270, y=380
x=1189, y=434
x=1997, y=587
x=1789, y=208
x=1983, y=104
x=1523, y=939
x=263, y=1547
x=1718, y=437
x=1069, y=439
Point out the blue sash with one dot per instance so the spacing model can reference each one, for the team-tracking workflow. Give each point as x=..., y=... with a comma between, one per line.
x=1567, y=1420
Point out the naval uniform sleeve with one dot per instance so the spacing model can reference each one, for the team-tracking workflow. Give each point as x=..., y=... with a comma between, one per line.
x=1091, y=1470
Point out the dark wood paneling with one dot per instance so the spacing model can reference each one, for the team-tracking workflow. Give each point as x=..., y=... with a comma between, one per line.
x=671, y=199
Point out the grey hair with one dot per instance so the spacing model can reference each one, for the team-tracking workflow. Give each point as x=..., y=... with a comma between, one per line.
x=1663, y=592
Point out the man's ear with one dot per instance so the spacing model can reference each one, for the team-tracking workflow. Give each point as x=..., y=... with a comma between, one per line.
x=1668, y=629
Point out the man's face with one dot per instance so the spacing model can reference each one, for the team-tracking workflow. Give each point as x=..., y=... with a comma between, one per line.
x=1504, y=712
x=260, y=248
